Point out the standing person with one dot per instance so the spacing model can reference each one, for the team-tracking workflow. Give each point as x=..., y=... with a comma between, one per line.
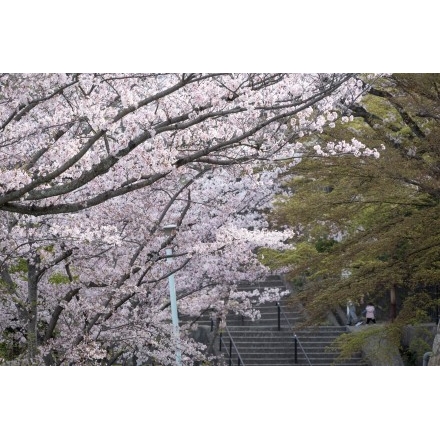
x=351, y=313
x=370, y=310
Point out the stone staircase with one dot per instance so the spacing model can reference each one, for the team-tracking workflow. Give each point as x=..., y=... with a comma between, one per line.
x=277, y=339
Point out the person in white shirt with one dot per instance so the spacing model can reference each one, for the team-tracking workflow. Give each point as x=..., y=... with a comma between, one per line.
x=351, y=313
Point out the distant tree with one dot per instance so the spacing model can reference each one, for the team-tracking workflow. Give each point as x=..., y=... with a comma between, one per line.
x=369, y=228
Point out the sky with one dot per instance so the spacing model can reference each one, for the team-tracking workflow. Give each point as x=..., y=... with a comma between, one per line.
x=231, y=35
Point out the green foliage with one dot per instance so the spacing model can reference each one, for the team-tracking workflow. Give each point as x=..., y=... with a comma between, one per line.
x=417, y=348
x=378, y=343
x=9, y=349
x=409, y=357
x=324, y=244
x=350, y=343
x=21, y=266
x=58, y=278
x=417, y=341
x=5, y=351
x=376, y=219
x=300, y=254
x=416, y=309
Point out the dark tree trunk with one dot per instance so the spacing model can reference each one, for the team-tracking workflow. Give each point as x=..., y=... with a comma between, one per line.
x=33, y=268
x=393, y=307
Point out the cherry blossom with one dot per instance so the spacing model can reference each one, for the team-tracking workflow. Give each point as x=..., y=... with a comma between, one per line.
x=93, y=166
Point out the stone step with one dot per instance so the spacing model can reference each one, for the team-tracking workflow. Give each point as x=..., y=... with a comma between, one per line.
x=258, y=363
x=276, y=344
x=293, y=321
x=287, y=342
x=291, y=362
x=272, y=332
x=276, y=354
x=300, y=357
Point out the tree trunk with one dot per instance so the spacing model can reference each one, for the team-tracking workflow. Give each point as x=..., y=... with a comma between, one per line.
x=393, y=308
x=33, y=265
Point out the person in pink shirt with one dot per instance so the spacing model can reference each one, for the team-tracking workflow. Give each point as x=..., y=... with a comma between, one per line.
x=370, y=313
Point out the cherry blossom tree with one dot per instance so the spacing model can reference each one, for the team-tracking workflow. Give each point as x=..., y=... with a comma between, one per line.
x=102, y=273
x=92, y=166
x=70, y=142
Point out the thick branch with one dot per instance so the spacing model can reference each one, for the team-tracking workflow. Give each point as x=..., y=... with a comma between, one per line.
x=79, y=206
x=54, y=262
x=57, y=312
x=14, y=195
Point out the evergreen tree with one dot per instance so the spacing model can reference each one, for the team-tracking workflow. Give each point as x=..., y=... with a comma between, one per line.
x=368, y=228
